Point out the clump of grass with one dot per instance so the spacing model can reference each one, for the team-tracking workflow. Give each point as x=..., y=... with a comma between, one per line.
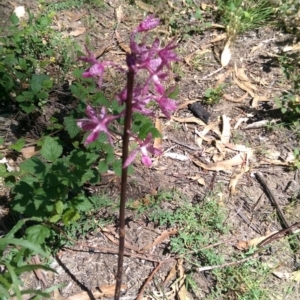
x=240, y=16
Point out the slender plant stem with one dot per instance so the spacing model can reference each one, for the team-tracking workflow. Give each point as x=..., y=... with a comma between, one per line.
x=125, y=150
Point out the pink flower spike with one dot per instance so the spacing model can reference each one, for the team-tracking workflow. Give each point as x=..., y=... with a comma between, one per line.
x=149, y=23
x=167, y=106
x=144, y=147
x=96, y=124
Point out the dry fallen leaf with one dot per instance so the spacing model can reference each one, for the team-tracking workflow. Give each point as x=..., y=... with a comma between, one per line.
x=189, y=120
x=254, y=242
x=177, y=156
x=29, y=151
x=35, y=260
x=105, y=291
x=257, y=98
x=171, y=274
x=218, y=38
x=239, y=122
x=163, y=236
x=158, y=141
x=226, y=54
x=242, y=245
x=182, y=292
x=229, y=164
x=296, y=276
x=144, y=6
x=236, y=176
x=198, y=178
x=77, y=32
x=225, y=137
x=235, y=100
x=123, y=46
x=119, y=14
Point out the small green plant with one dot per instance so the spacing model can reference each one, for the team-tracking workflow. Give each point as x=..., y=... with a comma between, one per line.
x=213, y=96
x=289, y=103
x=195, y=224
x=289, y=14
x=240, y=15
x=15, y=254
x=296, y=162
x=67, y=4
x=27, y=53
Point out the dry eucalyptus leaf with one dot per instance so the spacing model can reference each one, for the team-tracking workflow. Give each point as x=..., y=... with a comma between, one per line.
x=164, y=235
x=123, y=46
x=218, y=38
x=229, y=164
x=119, y=14
x=144, y=6
x=239, y=122
x=105, y=291
x=226, y=55
x=182, y=292
x=258, y=98
x=29, y=151
x=296, y=276
x=254, y=242
x=235, y=100
x=171, y=274
x=225, y=137
x=235, y=177
x=188, y=120
x=158, y=141
x=77, y=32
x=177, y=156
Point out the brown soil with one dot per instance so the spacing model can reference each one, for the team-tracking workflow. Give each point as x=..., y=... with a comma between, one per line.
x=92, y=260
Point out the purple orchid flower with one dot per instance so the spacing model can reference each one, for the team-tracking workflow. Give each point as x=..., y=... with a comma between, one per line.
x=156, y=62
x=144, y=147
x=96, y=124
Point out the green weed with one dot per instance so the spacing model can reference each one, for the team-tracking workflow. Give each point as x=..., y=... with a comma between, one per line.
x=240, y=16
x=212, y=96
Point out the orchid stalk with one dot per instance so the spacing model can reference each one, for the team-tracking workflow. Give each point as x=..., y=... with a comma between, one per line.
x=156, y=61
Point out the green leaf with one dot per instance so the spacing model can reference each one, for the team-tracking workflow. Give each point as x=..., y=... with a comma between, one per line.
x=37, y=234
x=34, y=166
x=23, y=243
x=173, y=92
x=102, y=166
x=3, y=291
x=71, y=126
x=3, y=171
x=15, y=281
x=29, y=268
x=14, y=19
x=44, y=21
x=70, y=216
x=22, y=63
x=27, y=107
x=19, y=225
x=35, y=84
x=18, y=145
x=51, y=150
x=54, y=219
x=117, y=167
x=81, y=203
x=59, y=207
x=89, y=174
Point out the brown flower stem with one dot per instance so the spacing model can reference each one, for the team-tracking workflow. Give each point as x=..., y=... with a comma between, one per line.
x=125, y=151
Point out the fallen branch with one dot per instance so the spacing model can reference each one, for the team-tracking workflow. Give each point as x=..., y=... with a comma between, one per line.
x=261, y=180
x=148, y=280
